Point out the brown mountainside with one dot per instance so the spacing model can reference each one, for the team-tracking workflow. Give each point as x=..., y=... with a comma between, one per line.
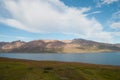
x=57, y=46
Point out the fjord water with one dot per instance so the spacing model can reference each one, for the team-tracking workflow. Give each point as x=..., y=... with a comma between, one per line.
x=111, y=58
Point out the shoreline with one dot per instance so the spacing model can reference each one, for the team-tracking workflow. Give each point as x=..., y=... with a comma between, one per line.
x=84, y=52
x=44, y=61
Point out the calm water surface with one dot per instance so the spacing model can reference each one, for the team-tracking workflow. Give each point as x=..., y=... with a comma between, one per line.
x=112, y=58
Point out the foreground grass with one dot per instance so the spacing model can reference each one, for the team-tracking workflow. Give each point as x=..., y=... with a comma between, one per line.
x=15, y=69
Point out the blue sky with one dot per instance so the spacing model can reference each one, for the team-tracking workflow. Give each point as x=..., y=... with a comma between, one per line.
x=27, y=20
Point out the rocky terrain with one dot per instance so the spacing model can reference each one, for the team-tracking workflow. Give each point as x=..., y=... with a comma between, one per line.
x=58, y=46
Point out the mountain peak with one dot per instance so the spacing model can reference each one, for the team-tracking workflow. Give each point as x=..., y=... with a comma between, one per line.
x=65, y=46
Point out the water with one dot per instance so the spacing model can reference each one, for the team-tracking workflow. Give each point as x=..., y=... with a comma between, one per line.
x=112, y=58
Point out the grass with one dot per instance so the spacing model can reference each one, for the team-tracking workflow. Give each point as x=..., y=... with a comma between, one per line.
x=16, y=69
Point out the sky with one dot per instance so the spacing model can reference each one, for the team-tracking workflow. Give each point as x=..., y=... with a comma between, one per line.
x=97, y=20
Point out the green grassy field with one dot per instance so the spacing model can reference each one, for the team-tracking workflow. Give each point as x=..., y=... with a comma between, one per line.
x=16, y=69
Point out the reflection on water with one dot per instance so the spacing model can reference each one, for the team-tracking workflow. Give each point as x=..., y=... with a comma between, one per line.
x=112, y=58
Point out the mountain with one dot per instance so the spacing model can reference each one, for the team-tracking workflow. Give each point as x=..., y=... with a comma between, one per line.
x=58, y=46
x=82, y=45
x=118, y=45
x=9, y=46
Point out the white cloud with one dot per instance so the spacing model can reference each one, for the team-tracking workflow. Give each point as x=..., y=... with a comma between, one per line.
x=105, y=2
x=115, y=25
x=108, y=1
x=116, y=16
x=115, y=21
x=53, y=16
x=14, y=37
x=115, y=34
x=95, y=12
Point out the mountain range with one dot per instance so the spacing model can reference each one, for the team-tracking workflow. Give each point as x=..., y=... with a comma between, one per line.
x=57, y=46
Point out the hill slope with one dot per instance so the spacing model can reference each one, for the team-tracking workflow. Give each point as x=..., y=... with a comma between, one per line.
x=57, y=46
x=16, y=69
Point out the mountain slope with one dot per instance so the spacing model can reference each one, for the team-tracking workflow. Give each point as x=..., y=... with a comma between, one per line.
x=9, y=46
x=64, y=46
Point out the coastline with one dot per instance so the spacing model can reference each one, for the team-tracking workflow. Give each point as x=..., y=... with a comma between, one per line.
x=80, y=52
x=74, y=63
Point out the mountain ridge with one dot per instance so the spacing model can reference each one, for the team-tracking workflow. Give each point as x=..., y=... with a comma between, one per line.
x=57, y=46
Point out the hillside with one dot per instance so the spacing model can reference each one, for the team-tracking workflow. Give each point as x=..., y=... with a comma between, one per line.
x=58, y=46
x=118, y=45
x=16, y=69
